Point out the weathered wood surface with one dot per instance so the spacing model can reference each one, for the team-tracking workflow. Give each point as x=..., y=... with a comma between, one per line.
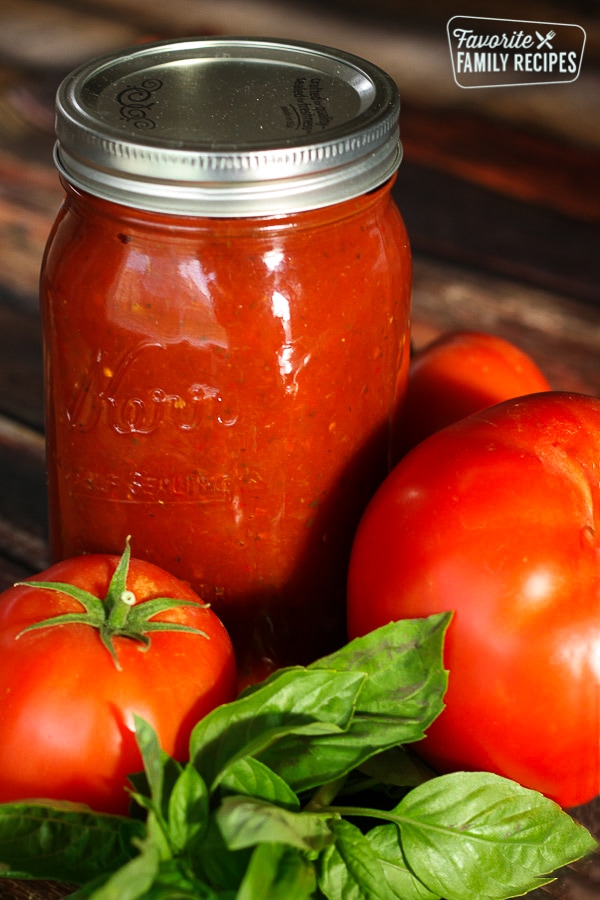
x=499, y=190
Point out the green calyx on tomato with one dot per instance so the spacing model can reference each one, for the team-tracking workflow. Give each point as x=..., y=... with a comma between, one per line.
x=119, y=614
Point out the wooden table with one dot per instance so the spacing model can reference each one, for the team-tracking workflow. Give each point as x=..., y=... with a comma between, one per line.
x=499, y=190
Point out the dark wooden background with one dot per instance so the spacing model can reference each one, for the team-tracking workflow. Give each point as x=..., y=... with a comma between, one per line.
x=499, y=189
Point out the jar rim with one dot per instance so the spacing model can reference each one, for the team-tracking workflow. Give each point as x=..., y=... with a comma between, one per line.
x=230, y=126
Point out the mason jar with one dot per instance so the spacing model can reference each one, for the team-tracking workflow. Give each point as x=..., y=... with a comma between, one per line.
x=225, y=303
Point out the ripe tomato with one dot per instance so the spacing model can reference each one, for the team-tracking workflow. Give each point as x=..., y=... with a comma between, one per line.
x=459, y=374
x=497, y=518
x=66, y=729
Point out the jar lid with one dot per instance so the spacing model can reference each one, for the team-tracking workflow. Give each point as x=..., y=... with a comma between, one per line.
x=229, y=126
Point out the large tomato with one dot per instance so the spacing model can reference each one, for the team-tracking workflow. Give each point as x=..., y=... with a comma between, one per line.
x=69, y=690
x=460, y=373
x=497, y=518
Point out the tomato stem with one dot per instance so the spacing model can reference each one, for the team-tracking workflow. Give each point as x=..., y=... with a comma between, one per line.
x=117, y=619
x=119, y=614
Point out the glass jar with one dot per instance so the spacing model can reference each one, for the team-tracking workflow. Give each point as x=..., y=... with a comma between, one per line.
x=225, y=300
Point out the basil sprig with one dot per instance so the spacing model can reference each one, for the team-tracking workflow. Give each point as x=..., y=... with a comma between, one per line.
x=303, y=788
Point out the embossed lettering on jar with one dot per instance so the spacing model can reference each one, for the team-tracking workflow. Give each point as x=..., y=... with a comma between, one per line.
x=224, y=372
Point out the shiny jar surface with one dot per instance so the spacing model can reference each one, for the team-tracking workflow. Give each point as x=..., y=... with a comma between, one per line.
x=225, y=391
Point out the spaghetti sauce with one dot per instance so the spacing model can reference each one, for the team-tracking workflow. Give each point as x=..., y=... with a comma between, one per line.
x=224, y=375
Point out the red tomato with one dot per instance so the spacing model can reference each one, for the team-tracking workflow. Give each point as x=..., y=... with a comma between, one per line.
x=497, y=518
x=67, y=729
x=460, y=373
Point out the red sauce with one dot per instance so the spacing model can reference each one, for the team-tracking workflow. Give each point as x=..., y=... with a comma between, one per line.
x=225, y=391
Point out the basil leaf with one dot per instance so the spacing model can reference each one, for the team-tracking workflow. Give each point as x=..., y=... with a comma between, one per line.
x=187, y=812
x=152, y=756
x=477, y=836
x=133, y=881
x=250, y=777
x=222, y=868
x=147, y=877
x=278, y=872
x=467, y=836
x=292, y=701
x=244, y=822
x=397, y=767
x=350, y=869
x=63, y=842
x=384, y=840
x=403, y=693
x=153, y=787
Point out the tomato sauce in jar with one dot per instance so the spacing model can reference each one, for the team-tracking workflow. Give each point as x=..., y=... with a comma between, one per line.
x=225, y=300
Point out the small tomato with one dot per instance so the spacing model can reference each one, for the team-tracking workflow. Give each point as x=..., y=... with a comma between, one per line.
x=460, y=373
x=497, y=519
x=74, y=669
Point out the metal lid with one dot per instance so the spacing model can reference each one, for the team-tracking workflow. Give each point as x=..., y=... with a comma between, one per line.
x=228, y=126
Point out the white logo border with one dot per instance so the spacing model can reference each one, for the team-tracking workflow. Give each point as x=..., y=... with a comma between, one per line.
x=469, y=87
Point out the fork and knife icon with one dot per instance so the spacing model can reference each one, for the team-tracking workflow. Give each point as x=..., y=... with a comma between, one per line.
x=545, y=41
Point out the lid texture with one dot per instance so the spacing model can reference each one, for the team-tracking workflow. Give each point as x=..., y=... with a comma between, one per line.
x=227, y=126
